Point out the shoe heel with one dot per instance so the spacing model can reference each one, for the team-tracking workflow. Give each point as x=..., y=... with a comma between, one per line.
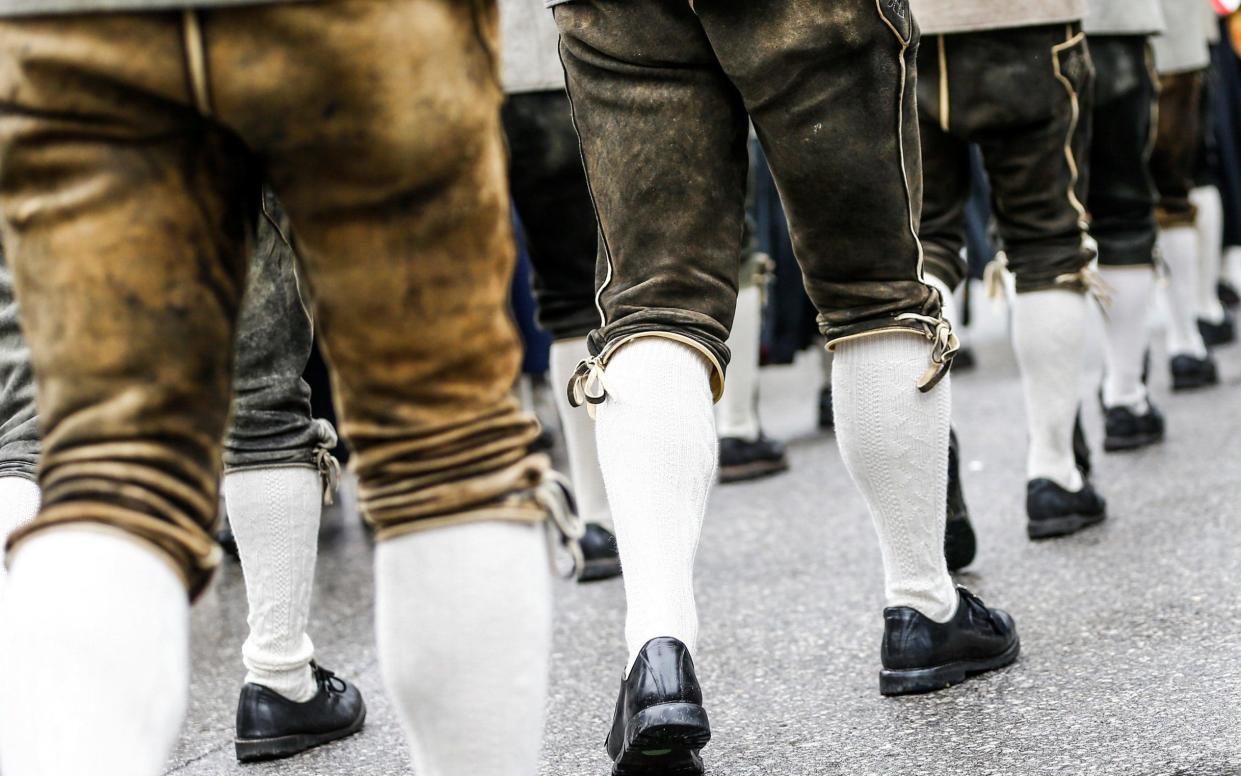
x=665, y=739
x=676, y=725
x=920, y=680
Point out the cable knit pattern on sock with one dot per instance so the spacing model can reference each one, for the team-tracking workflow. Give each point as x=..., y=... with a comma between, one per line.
x=275, y=515
x=1049, y=335
x=1127, y=336
x=463, y=619
x=894, y=441
x=1179, y=247
x=658, y=452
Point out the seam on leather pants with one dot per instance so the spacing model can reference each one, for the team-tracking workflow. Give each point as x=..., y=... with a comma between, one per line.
x=196, y=60
x=1154, y=76
x=900, y=136
x=1075, y=108
x=297, y=275
x=590, y=190
x=944, y=103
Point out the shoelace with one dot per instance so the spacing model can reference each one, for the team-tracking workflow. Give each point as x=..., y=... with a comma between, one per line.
x=556, y=497
x=328, y=680
x=944, y=348
x=982, y=611
x=586, y=386
x=329, y=467
x=1088, y=278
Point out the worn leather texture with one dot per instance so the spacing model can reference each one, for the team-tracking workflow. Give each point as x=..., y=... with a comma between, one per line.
x=1121, y=196
x=271, y=421
x=265, y=713
x=911, y=640
x=663, y=673
x=662, y=98
x=552, y=199
x=129, y=207
x=1024, y=96
x=1177, y=141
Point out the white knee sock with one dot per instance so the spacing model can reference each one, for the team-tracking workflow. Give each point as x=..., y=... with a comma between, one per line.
x=658, y=451
x=1179, y=246
x=579, y=435
x=96, y=639
x=19, y=503
x=463, y=621
x=1049, y=334
x=275, y=513
x=737, y=413
x=1210, y=225
x=894, y=442
x=1127, y=335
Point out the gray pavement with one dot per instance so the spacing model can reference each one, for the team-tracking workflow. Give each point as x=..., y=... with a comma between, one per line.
x=1131, y=631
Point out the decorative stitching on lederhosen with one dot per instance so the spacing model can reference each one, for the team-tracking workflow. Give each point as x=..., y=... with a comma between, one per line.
x=196, y=60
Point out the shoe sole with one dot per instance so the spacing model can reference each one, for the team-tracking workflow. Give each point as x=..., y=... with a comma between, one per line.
x=915, y=681
x=664, y=739
x=1193, y=383
x=752, y=471
x=599, y=570
x=1121, y=444
x=1218, y=342
x=1061, y=526
x=257, y=749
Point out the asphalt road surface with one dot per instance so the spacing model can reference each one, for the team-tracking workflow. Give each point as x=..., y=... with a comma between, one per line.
x=1131, y=631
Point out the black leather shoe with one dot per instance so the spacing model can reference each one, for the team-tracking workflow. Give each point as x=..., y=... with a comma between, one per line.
x=1081, y=448
x=827, y=414
x=921, y=655
x=1054, y=511
x=741, y=459
x=960, y=544
x=270, y=726
x=600, y=556
x=660, y=724
x=1228, y=295
x=964, y=360
x=228, y=543
x=1127, y=430
x=1189, y=372
x=1217, y=334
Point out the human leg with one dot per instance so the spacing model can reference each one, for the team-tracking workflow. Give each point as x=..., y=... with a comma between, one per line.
x=129, y=265
x=745, y=451
x=407, y=257
x=1025, y=134
x=278, y=468
x=892, y=347
x=669, y=261
x=1121, y=199
x=1172, y=165
x=550, y=194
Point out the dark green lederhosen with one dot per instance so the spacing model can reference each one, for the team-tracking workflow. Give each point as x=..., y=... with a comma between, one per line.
x=1024, y=96
x=1122, y=196
x=662, y=98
